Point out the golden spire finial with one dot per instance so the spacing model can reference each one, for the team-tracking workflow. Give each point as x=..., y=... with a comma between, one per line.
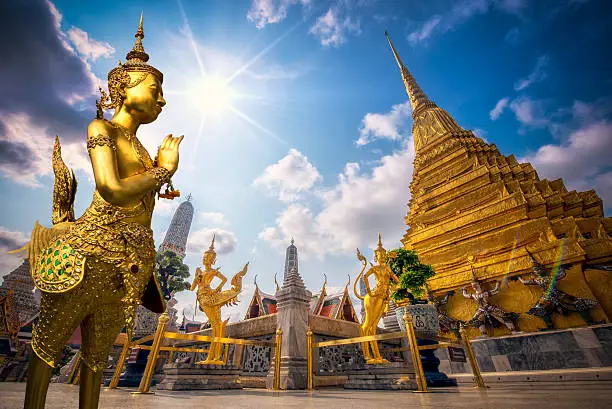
x=348, y=283
x=418, y=99
x=255, y=282
x=138, y=52
x=211, y=248
x=276, y=283
x=324, y=283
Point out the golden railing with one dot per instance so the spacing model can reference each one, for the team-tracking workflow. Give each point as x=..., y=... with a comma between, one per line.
x=161, y=334
x=413, y=347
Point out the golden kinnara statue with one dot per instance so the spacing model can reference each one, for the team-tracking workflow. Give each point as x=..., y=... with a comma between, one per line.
x=376, y=302
x=211, y=300
x=94, y=270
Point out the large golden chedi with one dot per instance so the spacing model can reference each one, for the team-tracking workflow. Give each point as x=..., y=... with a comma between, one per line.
x=469, y=200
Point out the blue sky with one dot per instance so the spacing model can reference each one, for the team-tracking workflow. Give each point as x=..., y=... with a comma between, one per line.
x=317, y=145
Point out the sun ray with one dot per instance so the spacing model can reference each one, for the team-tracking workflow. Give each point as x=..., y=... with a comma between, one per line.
x=189, y=33
x=264, y=51
x=256, y=124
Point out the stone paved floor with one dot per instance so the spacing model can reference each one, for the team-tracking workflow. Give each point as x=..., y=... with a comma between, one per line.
x=542, y=395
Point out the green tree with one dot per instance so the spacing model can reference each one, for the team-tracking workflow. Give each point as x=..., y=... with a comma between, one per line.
x=412, y=275
x=171, y=273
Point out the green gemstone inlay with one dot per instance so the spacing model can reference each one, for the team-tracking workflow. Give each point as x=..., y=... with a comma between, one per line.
x=71, y=251
x=60, y=272
x=49, y=260
x=78, y=262
x=42, y=271
x=64, y=255
x=49, y=271
x=57, y=262
x=56, y=253
x=65, y=247
x=49, y=250
x=68, y=264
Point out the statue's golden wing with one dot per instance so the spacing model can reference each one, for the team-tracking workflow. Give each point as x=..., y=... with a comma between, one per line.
x=64, y=188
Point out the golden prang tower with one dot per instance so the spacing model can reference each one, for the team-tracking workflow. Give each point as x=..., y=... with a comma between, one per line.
x=469, y=200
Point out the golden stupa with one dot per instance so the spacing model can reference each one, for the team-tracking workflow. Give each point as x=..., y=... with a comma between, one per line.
x=470, y=201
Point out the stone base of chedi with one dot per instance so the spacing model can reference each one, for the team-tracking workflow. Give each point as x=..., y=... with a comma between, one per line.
x=589, y=347
x=181, y=377
x=394, y=375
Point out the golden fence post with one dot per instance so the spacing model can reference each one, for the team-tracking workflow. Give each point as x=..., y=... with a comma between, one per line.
x=145, y=382
x=77, y=377
x=225, y=354
x=309, y=356
x=170, y=357
x=471, y=357
x=277, y=358
x=414, y=350
x=77, y=361
x=115, y=379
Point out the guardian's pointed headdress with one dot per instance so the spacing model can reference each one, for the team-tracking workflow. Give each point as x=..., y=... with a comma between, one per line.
x=118, y=78
x=379, y=247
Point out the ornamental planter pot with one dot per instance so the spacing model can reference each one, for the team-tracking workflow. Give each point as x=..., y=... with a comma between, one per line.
x=424, y=319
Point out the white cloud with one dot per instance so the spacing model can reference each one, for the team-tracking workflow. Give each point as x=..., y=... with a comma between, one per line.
x=88, y=47
x=355, y=210
x=289, y=177
x=513, y=35
x=458, y=14
x=10, y=240
x=603, y=185
x=331, y=29
x=511, y=6
x=384, y=126
x=586, y=153
x=199, y=241
x=359, y=206
x=538, y=74
x=582, y=158
x=461, y=12
x=32, y=143
x=363, y=204
x=481, y=133
x=296, y=221
x=264, y=12
x=499, y=108
x=529, y=112
x=212, y=218
x=425, y=31
x=166, y=208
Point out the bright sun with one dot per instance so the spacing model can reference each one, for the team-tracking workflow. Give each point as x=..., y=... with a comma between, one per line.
x=215, y=96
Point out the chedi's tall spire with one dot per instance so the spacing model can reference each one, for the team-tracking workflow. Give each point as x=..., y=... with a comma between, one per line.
x=418, y=99
x=432, y=125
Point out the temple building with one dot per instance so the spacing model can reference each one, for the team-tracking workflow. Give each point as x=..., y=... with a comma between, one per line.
x=261, y=303
x=176, y=236
x=474, y=214
x=337, y=305
x=19, y=308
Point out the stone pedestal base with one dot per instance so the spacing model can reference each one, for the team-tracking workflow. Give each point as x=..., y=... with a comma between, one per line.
x=395, y=375
x=293, y=374
x=181, y=377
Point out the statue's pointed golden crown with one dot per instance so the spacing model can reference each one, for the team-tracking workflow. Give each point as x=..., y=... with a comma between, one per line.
x=211, y=248
x=136, y=59
x=379, y=247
